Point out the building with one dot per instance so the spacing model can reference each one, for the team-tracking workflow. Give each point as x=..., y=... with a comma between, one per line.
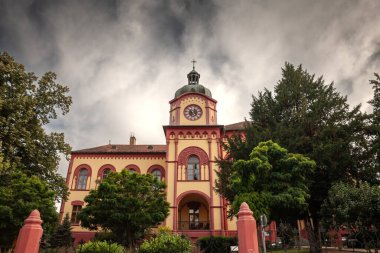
x=187, y=163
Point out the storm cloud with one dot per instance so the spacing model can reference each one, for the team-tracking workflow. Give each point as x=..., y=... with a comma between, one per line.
x=124, y=60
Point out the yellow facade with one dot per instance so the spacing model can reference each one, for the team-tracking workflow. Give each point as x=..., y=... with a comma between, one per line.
x=187, y=163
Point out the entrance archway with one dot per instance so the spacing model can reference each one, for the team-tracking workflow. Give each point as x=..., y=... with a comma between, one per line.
x=193, y=211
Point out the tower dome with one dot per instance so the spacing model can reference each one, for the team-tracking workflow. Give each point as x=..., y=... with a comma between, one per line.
x=193, y=85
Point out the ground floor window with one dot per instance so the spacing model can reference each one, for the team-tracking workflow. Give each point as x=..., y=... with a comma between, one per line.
x=194, y=217
x=74, y=214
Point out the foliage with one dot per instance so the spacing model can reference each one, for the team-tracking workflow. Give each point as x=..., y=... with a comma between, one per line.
x=352, y=205
x=309, y=117
x=20, y=194
x=216, y=244
x=288, y=173
x=62, y=234
x=104, y=236
x=165, y=242
x=100, y=247
x=26, y=105
x=127, y=204
x=375, y=123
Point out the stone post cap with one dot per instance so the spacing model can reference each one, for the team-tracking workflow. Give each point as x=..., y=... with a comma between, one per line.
x=244, y=210
x=33, y=218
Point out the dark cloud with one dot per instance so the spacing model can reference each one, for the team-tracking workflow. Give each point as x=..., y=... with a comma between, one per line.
x=124, y=60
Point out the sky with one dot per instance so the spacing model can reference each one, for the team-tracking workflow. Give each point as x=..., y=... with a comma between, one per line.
x=124, y=60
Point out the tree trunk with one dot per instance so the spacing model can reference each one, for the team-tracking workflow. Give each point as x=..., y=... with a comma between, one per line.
x=314, y=235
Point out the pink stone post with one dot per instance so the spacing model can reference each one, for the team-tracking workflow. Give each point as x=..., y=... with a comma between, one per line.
x=247, y=230
x=30, y=234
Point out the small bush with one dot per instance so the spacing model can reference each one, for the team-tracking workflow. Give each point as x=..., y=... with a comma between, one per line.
x=216, y=244
x=165, y=242
x=100, y=247
x=104, y=236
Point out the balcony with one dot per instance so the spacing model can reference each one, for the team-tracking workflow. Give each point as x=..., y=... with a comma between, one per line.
x=193, y=225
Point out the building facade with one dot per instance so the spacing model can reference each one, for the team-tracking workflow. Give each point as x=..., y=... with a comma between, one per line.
x=187, y=163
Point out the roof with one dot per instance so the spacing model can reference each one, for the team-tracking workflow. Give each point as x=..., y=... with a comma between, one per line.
x=123, y=149
x=193, y=88
x=236, y=126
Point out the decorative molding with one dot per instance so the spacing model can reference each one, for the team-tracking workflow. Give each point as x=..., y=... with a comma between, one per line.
x=77, y=203
x=189, y=151
x=133, y=167
x=157, y=167
x=103, y=168
x=76, y=175
x=184, y=194
x=148, y=156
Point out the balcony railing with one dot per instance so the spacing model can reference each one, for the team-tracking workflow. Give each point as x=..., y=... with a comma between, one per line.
x=193, y=225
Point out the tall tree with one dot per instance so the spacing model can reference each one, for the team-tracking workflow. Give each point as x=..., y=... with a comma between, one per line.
x=27, y=104
x=127, y=204
x=62, y=237
x=20, y=194
x=349, y=205
x=307, y=116
x=375, y=122
x=272, y=182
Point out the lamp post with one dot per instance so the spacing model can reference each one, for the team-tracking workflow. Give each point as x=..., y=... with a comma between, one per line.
x=263, y=222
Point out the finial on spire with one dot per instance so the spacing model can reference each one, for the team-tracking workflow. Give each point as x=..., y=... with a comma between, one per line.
x=193, y=61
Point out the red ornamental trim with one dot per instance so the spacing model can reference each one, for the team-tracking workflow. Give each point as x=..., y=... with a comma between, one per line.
x=103, y=168
x=184, y=194
x=133, y=167
x=124, y=156
x=189, y=151
x=157, y=167
x=77, y=203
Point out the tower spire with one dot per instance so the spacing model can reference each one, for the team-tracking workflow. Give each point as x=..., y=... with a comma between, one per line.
x=193, y=61
x=193, y=76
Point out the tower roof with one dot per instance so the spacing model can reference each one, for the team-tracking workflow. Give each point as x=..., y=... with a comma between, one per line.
x=193, y=85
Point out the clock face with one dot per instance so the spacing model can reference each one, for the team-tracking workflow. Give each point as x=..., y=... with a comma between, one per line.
x=193, y=112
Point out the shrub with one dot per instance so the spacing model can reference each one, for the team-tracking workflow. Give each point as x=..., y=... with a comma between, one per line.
x=100, y=247
x=104, y=236
x=165, y=242
x=216, y=244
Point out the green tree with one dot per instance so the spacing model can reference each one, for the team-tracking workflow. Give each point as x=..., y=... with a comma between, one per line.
x=307, y=116
x=20, y=194
x=127, y=204
x=348, y=204
x=357, y=208
x=288, y=190
x=27, y=104
x=375, y=123
x=62, y=238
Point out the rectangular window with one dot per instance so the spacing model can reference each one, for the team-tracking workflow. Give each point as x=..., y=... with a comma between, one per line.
x=193, y=172
x=74, y=214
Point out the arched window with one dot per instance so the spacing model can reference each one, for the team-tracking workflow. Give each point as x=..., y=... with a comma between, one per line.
x=133, y=168
x=82, y=179
x=105, y=173
x=157, y=174
x=193, y=168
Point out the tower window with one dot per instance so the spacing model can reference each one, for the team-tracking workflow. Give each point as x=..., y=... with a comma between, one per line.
x=193, y=168
x=82, y=179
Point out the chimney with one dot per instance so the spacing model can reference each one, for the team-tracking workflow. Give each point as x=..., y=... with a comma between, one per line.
x=132, y=140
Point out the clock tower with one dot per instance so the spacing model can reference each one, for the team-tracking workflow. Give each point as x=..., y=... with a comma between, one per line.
x=193, y=104
x=193, y=140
